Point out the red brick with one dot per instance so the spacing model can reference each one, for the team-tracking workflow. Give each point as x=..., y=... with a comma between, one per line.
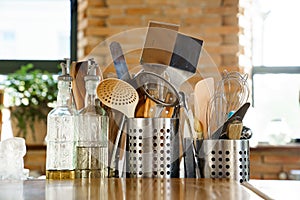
x=95, y=21
x=183, y=11
x=232, y=20
x=96, y=3
x=142, y=11
x=230, y=60
x=288, y=168
x=222, y=30
x=103, y=31
x=208, y=20
x=255, y=175
x=212, y=39
x=230, y=2
x=271, y=176
x=103, y=12
x=121, y=21
x=265, y=168
x=204, y=3
x=123, y=3
x=281, y=159
x=222, y=49
x=162, y=3
x=225, y=10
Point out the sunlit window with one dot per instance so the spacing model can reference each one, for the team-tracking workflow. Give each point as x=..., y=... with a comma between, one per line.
x=34, y=29
x=36, y=32
x=276, y=81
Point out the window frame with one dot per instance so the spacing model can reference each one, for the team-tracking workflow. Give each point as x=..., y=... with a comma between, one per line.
x=271, y=70
x=9, y=66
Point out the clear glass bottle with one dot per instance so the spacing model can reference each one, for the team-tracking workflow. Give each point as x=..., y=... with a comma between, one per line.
x=92, y=149
x=61, y=138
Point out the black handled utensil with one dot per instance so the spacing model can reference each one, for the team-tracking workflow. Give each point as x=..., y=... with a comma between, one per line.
x=240, y=113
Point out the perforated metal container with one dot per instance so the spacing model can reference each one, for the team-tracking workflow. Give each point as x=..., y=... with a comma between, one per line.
x=153, y=147
x=225, y=159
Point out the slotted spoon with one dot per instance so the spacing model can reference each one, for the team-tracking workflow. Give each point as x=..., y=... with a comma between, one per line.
x=119, y=95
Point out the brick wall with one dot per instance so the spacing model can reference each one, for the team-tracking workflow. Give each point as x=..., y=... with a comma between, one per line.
x=224, y=25
x=267, y=162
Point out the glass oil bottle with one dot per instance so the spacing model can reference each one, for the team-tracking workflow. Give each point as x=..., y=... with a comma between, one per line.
x=92, y=148
x=61, y=139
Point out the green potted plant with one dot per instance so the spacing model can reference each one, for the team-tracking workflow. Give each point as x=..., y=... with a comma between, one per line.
x=31, y=92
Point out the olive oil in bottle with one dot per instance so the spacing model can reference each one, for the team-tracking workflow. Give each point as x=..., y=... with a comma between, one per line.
x=92, y=148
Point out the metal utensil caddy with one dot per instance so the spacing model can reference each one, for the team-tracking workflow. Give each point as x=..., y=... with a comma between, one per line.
x=153, y=147
x=225, y=159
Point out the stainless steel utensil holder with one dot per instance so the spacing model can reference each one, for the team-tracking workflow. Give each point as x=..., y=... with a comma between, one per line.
x=153, y=147
x=225, y=159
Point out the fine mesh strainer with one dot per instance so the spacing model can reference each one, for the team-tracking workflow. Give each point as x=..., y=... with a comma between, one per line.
x=153, y=147
x=119, y=95
x=225, y=159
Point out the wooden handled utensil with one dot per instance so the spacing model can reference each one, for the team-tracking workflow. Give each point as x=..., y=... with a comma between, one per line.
x=240, y=113
x=204, y=90
x=234, y=130
x=152, y=84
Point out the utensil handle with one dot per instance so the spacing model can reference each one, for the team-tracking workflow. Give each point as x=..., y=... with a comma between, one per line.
x=119, y=61
x=190, y=154
x=115, y=156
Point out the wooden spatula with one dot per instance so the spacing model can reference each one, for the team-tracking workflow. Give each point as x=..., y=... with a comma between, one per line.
x=204, y=90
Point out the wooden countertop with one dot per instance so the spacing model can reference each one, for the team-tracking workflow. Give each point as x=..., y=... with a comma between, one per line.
x=146, y=188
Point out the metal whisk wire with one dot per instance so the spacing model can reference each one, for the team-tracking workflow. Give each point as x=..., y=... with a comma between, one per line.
x=231, y=93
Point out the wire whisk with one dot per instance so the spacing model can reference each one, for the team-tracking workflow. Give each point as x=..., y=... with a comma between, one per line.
x=231, y=93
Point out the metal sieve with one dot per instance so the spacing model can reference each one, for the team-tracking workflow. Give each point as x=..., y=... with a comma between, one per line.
x=153, y=147
x=149, y=81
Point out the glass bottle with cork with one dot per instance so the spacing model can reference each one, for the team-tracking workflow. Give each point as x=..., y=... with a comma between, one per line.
x=61, y=139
